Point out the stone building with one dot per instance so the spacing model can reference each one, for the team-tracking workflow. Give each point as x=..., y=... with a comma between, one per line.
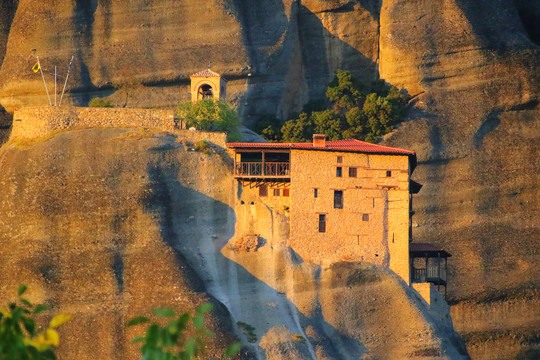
x=347, y=200
x=207, y=84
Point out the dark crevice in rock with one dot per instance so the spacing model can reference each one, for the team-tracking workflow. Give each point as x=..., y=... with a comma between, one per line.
x=529, y=13
x=8, y=8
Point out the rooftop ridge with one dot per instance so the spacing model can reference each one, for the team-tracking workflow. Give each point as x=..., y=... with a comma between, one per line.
x=206, y=73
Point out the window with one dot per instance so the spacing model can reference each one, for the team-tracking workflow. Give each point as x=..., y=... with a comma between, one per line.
x=339, y=171
x=340, y=159
x=352, y=172
x=315, y=193
x=365, y=217
x=263, y=190
x=286, y=192
x=388, y=173
x=276, y=192
x=322, y=222
x=338, y=199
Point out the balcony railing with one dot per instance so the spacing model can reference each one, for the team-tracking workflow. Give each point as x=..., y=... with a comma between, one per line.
x=260, y=169
x=430, y=275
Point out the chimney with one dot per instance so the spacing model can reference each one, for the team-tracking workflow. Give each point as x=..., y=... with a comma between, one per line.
x=319, y=140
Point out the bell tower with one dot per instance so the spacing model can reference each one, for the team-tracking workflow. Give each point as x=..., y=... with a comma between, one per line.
x=207, y=84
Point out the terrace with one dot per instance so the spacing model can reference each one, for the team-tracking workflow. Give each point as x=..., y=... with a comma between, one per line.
x=427, y=264
x=261, y=164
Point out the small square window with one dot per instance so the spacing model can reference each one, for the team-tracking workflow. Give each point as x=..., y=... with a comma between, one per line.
x=315, y=193
x=339, y=171
x=352, y=172
x=286, y=192
x=340, y=159
x=388, y=173
x=276, y=192
x=263, y=190
x=365, y=217
x=322, y=223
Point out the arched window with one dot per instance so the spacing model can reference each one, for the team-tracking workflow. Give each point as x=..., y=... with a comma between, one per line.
x=205, y=92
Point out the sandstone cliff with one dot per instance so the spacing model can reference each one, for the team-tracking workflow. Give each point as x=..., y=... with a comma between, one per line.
x=141, y=221
x=471, y=66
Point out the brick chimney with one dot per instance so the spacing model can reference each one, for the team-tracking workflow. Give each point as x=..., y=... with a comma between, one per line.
x=319, y=140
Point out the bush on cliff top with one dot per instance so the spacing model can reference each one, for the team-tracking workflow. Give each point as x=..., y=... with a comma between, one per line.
x=100, y=102
x=211, y=115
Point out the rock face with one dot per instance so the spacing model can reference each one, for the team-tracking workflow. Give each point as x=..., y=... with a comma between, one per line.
x=472, y=68
x=139, y=222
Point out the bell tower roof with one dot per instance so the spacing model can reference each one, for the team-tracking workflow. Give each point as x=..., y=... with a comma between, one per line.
x=206, y=73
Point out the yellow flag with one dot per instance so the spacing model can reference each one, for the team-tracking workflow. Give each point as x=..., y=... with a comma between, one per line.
x=36, y=67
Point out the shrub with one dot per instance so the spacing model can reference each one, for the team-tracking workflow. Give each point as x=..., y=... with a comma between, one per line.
x=211, y=115
x=20, y=339
x=100, y=102
x=170, y=341
x=203, y=146
x=248, y=330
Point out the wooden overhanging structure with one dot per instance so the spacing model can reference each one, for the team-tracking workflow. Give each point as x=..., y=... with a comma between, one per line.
x=264, y=163
x=433, y=272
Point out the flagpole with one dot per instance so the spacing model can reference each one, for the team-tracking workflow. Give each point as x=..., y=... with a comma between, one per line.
x=65, y=83
x=54, y=85
x=43, y=77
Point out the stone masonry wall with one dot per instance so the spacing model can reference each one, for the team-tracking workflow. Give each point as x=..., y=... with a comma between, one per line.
x=34, y=122
x=382, y=239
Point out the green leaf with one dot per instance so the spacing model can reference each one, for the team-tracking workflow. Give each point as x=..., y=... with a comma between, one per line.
x=26, y=302
x=40, y=308
x=22, y=289
x=138, y=339
x=190, y=346
x=198, y=321
x=137, y=320
x=59, y=320
x=204, y=308
x=165, y=312
x=232, y=350
x=29, y=325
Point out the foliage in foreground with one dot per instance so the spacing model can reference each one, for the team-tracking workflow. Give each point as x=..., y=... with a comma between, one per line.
x=20, y=339
x=211, y=115
x=170, y=342
x=357, y=111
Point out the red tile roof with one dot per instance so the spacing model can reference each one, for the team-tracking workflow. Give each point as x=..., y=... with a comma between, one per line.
x=206, y=73
x=351, y=145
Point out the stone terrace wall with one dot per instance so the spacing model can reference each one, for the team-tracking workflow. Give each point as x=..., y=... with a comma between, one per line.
x=33, y=122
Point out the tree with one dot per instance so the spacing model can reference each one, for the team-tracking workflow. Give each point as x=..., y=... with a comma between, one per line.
x=298, y=130
x=354, y=115
x=344, y=91
x=211, y=115
x=169, y=342
x=20, y=339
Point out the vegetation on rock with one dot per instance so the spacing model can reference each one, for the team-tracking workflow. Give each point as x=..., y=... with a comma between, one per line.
x=20, y=338
x=211, y=115
x=354, y=113
x=100, y=102
x=170, y=341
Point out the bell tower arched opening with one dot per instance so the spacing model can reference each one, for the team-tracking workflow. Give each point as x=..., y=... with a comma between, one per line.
x=205, y=92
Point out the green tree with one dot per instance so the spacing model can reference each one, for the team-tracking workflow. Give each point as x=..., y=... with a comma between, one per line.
x=170, y=342
x=298, y=130
x=211, y=115
x=344, y=91
x=20, y=338
x=269, y=127
x=330, y=123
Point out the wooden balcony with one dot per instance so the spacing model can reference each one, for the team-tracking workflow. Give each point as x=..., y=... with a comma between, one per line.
x=262, y=170
x=434, y=275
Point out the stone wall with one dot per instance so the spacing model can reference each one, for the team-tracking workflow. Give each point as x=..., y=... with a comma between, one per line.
x=34, y=122
x=373, y=224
